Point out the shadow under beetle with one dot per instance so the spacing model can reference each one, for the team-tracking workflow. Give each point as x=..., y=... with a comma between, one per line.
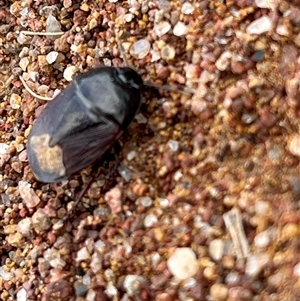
x=83, y=121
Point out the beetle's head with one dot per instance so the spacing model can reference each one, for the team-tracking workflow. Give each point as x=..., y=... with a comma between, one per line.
x=129, y=77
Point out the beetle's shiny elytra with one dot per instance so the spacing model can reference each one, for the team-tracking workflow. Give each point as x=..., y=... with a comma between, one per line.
x=83, y=121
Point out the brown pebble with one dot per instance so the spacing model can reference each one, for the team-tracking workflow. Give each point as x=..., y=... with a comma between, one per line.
x=219, y=292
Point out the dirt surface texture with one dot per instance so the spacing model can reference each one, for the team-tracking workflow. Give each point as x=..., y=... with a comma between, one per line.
x=200, y=199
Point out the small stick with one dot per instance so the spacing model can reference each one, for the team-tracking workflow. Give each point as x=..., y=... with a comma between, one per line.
x=121, y=49
x=234, y=224
x=33, y=93
x=40, y=33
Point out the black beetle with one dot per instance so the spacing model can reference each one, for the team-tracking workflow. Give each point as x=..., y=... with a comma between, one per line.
x=83, y=121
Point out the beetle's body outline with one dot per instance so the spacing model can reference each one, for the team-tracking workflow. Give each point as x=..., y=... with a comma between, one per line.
x=83, y=121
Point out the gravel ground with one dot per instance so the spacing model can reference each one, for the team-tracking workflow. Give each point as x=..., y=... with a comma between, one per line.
x=205, y=202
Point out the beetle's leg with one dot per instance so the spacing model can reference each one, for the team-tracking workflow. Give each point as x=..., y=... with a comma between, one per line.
x=78, y=199
x=95, y=173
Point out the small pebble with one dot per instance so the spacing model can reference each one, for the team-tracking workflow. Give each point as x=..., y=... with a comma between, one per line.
x=224, y=60
x=80, y=289
x=218, y=292
x=155, y=56
x=30, y=198
x=258, y=56
x=15, y=101
x=145, y=201
x=271, y=4
x=259, y=26
x=290, y=231
x=216, y=249
x=177, y=175
x=17, y=167
x=210, y=273
x=256, y=263
x=40, y=221
x=150, y=220
x=262, y=240
x=239, y=293
x=294, y=145
x=22, y=38
x=24, y=52
x=283, y=30
x=16, y=240
x=183, y=263
x=162, y=28
x=192, y=71
x=163, y=297
x=85, y=7
x=131, y=155
x=42, y=89
x=69, y=72
x=114, y=199
x=53, y=257
x=133, y=284
x=232, y=278
x=187, y=8
x=297, y=270
x=276, y=280
x=86, y=279
x=58, y=290
x=140, y=49
x=262, y=207
x=164, y=202
x=99, y=246
x=57, y=263
x=125, y=172
x=141, y=119
x=25, y=227
x=22, y=295
x=83, y=254
x=3, y=148
x=96, y=263
x=52, y=25
x=128, y=17
x=173, y=145
x=91, y=295
x=180, y=29
x=168, y=53
x=24, y=61
x=51, y=57
x=111, y=290
x=5, y=275
x=34, y=75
